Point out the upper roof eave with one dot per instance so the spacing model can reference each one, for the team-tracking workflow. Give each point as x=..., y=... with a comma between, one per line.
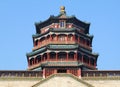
x=85, y=25
x=53, y=18
x=36, y=51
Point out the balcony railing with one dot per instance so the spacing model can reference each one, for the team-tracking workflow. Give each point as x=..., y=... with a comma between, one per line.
x=60, y=42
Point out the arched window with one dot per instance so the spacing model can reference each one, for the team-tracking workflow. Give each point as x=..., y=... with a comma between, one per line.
x=42, y=40
x=36, y=43
x=86, y=59
x=92, y=61
x=44, y=57
x=81, y=40
x=48, y=38
x=76, y=38
x=71, y=56
x=38, y=58
x=88, y=43
x=61, y=37
x=31, y=61
x=62, y=56
x=54, y=37
x=70, y=37
x=52, y=56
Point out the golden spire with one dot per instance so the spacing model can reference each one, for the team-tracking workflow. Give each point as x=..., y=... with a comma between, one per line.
x=62, y=10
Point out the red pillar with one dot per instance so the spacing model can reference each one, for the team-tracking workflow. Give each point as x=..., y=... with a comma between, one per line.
x=79, y=72
x=73, y=38
x=68, y=71
x=48, y=57
x=41, y=58
x=56, y=37
x=85, y=43
x=44, y=73
x=32, y=62
x=75, y=56
x=55, y=71
x=67, y=38
x=45, y=41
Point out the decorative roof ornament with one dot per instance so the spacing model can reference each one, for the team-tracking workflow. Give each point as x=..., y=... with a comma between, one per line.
x=62, y=10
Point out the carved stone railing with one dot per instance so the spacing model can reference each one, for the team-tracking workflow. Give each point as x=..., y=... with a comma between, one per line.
x=101, y=74
x=14, y=74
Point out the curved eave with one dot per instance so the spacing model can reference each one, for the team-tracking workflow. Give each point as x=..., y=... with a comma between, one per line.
x=59, y=30
x=60, y=47
x=96, y=55
x=91, y=39
x=82, y=24
x=52, y=47
x=54, y=30
x=50, y=20
x=89, y=52
x=87, y=66
x=43, y=24
x=69, y=19
x=38, y=35
x=90, y=36
x=36, y=52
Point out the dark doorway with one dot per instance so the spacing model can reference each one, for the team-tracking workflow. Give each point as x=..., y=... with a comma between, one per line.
x=61, y=71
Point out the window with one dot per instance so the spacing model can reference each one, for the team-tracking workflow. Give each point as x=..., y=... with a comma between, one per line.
x=70, y=37
x=62, y=24
x=88, y=43
x=62, y=56
x=61, y=38
x=36, y=43
x=53, y=37
x=92, y=61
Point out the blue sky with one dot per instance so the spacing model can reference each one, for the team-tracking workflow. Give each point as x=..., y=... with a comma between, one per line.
x=17, y=20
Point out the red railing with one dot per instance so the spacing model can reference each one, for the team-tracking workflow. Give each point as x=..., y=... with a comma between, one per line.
x=60, y=42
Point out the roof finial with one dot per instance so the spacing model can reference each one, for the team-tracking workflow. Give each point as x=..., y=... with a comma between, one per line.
x=62, y=10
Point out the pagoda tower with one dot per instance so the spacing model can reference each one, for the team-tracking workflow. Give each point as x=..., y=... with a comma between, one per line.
x=62, y=44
